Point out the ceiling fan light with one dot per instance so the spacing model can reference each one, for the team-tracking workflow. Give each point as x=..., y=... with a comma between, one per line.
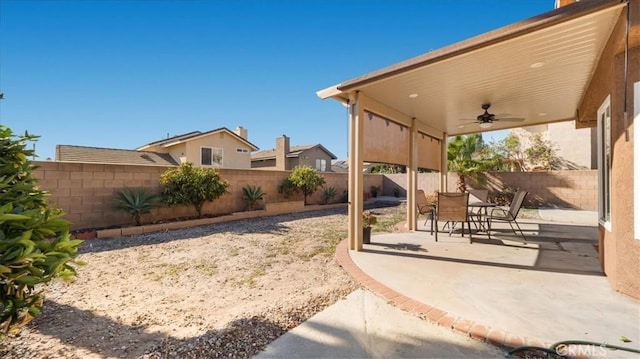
x=485, y=124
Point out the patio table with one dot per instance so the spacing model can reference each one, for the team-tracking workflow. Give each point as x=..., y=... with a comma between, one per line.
x=481, y=208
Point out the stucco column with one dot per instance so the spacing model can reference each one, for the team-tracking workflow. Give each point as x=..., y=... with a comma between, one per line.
x=412, y=170
x=444, y=172
x=356, y=177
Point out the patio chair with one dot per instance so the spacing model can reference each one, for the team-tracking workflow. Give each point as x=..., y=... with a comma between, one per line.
x=510, y=215
x=477, y=195
x=424, y=207
x=453, y=207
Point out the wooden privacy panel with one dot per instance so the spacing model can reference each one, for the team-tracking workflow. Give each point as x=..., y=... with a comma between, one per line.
x=428, y=152
x=384, y=141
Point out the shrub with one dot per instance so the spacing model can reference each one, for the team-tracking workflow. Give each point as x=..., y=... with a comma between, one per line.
x=287, y=188
x=306, y=179
x=188, y=185
x=374, y=191
x=35, y=245
x=252, y=194
x=328, y=193
x=136, y=202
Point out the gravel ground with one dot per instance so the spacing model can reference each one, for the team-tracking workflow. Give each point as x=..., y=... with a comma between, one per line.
x=220, y=291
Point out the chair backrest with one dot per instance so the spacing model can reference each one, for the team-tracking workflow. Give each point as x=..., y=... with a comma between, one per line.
x=453, y=206
x=516, y=204
x=478, y=195
x=421, y=198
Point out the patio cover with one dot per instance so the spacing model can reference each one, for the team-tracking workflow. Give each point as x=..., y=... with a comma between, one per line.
x=536, y=69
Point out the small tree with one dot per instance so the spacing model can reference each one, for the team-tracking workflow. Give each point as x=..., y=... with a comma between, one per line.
x=464, y=154
x=35, y=245
x=287, y=188
x=542, y=152
x=188, y=185
x=306, y=179
x=136, y=202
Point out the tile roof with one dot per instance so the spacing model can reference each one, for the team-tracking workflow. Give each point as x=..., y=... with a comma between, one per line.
x=194, y=134
x=294, y=151
x=68, y=153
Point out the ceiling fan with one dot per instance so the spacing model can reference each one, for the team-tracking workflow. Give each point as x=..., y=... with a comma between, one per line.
x=487, y=119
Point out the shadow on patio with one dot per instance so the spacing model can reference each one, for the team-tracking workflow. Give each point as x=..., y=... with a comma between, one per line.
x=550, y=288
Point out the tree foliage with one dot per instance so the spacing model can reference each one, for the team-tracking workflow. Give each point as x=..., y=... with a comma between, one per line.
x=542, y=153
x=386, y=168
x=189, y=185
x=35, y=245
x=136, y=202
x=524, y=152
x=306, y=179
x=466, y=157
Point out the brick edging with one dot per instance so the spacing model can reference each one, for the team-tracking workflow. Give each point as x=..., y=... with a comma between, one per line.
x=434, y=315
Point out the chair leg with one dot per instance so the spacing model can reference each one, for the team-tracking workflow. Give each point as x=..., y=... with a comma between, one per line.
x=521, y=232
x=436, y=225
x=470, y=237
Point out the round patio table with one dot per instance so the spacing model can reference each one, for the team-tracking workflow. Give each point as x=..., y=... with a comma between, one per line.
x=482, y=208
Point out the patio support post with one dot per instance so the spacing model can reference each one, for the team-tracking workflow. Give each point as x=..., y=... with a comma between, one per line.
x=444, y=168
x=356, y=177
x=412, y=170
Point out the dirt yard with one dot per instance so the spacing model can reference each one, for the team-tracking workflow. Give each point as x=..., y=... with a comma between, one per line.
x=224, y=290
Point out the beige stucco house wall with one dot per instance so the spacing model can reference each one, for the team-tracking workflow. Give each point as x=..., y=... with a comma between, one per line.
x=286, y=157
x=619, y=250
x=233, y=148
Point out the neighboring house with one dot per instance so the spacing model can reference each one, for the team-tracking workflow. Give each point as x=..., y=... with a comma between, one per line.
x=342, y=166
x=576, y=148
x=285, y=157
x=69, y=153
x=216, y=148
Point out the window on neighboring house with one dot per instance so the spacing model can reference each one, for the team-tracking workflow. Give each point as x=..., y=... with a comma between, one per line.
x=604, y=163
x=321, y=165
x=211, y=156
x=205, y=156
x=242, y=150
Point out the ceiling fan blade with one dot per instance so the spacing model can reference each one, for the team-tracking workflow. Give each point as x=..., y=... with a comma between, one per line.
x=509, y=119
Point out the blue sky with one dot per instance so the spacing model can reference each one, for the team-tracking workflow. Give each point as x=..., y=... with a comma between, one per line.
x=121, y=74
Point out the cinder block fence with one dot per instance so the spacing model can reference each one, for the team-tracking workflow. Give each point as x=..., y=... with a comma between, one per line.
x=85, y=190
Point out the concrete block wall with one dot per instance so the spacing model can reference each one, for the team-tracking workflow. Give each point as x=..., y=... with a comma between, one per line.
x=85, y=190
x=569, y=189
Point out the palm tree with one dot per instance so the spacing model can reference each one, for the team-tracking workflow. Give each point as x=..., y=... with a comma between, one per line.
x=464, y=155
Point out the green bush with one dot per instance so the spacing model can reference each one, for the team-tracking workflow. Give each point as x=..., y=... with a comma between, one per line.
x=306, y=179
x=35, y=245
x=188, y=185
x=287, y=188
x=252, y=194
x=136, y=202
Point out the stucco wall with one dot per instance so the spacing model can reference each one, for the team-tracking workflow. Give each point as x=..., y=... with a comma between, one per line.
x=230, y=158
x=85, y=191
x=619, y=250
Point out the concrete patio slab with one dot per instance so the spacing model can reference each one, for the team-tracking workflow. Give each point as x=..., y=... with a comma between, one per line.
x=365, y=326
x=546, y=290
